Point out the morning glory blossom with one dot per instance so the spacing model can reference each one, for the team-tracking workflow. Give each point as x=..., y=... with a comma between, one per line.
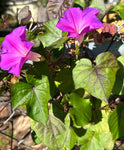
x=77, y=22
x=15, y=50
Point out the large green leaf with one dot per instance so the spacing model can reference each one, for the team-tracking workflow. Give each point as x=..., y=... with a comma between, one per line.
x=55, y=134
x=81, y=111
x=119, y=82
x=52, y=35
x=97, y=137
x=98, y=80
x=35, y=95
x=116, y=122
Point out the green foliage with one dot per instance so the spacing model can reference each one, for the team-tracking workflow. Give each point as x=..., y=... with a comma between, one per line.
x=116, y=122
x=52, y=35
x=119, y=83
x=81, y=111
x=99, y=4
x=98, y=80
x=80, y=2
x=119, y=9
x=35, y=95
x=97, y=137
x=69, y=98
x=55, y=134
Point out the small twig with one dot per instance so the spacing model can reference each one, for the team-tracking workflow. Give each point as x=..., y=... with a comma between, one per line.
x=103, y=108
x=112, y=41
x=5, y=106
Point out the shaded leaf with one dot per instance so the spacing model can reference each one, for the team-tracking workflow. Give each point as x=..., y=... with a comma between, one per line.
x=56, y=8
x=52, y=35
x=24, y=15
x=81, y=111
x=40, y=69
x=116, y=122
x=65, y=82
x=97, y=80
x=34, y=95
x=119, y=82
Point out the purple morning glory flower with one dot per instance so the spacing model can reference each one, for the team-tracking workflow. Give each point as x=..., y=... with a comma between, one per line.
x=77, y=22
x=15, y=51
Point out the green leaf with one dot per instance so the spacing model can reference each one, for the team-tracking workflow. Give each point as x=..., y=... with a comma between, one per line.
x=116, y=122
x=97, y=137
x=55, y=134
x=21, y=93
x=119, y=9
x=119, y=82
x=100, y=5
x=64, y=77
x=81, y=111
x=35, y=95
x=37, y=71
x=97, y=80
x=80, y=2
x=52, y=35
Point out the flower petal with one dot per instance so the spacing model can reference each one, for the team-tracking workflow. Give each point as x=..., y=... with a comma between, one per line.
x=15, y=51
x=20, y=32
x=76, y=22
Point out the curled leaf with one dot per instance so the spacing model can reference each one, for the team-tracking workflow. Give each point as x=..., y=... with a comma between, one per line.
x=24, y=15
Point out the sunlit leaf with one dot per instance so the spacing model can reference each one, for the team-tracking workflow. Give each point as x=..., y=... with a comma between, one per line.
x=119, y=9
x=116, y=122
x=100, y=5
x=97, y=137
x=52, y=35
x=35, y=96
x=81, y=111
x=55, y=134
x=57, y=7
x=98, y=80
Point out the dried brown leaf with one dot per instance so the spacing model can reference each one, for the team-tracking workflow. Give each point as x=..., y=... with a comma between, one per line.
x=56, y=8
x=24, y=15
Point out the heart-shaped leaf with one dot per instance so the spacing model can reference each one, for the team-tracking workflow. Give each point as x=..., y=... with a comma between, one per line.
x=98, y=80
x=55, y=134
x=35, y=96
